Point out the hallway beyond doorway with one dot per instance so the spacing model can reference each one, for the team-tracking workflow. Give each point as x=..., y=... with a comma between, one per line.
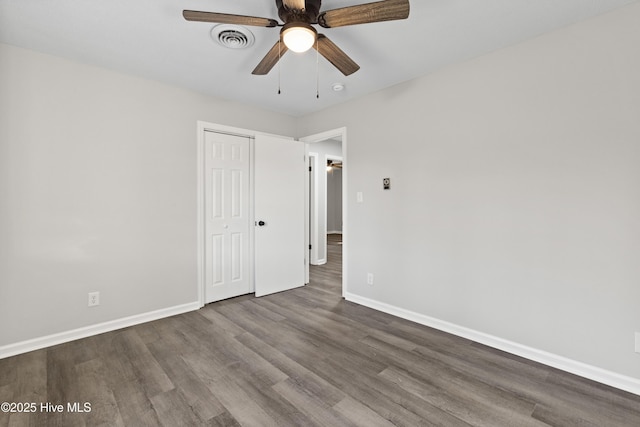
x=329, y=276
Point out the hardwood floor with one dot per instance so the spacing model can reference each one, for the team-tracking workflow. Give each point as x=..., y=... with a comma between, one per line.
x=299, y=358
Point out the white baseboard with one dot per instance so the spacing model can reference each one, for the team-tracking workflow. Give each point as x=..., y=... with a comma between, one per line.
x=62, y=337
x=334, y=232
x=603, y=376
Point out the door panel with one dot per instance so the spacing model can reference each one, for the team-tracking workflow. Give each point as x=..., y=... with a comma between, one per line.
x=280, y=204
x=227, y=219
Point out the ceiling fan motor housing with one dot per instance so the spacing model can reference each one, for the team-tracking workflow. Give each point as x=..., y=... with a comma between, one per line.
x=309, y=14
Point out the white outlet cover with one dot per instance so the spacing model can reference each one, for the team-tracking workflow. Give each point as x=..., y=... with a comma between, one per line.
x=94, y=299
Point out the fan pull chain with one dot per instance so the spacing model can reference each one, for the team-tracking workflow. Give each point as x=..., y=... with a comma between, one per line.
x=279, y=41
x=317, y=69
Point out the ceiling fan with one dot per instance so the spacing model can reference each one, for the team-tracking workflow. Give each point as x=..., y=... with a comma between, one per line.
x=297, y=33
x=334, y=164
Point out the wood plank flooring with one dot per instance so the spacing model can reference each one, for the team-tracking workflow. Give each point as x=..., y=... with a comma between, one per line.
x=299, y=358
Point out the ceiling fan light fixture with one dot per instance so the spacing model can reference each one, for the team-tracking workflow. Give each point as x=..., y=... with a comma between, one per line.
x=299, y=36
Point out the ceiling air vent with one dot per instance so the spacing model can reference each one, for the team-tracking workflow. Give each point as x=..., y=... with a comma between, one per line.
x=232, y=36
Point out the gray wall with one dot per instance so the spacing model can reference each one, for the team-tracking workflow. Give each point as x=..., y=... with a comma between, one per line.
x=515, y=201
x=334, y=201
x=98, y=192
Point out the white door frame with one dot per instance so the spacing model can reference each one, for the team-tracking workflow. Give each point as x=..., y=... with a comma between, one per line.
x=312, y=198
x=203, y=127
x=323, y=136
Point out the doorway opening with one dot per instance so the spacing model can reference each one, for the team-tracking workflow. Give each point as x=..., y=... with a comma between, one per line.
x=326, y=215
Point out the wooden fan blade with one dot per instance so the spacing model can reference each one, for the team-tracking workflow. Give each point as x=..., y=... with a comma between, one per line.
x=335, y=55
x=270, y=59
x=387, y=10
x=224, y=18
x=294, y=4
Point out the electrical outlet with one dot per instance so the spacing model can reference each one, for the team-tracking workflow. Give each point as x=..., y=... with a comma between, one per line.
x=637, y=342
x=94, y=299
x=369, y=278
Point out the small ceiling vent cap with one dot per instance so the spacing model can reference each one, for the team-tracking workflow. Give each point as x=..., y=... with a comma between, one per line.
x=232, y=36
x=337, y=87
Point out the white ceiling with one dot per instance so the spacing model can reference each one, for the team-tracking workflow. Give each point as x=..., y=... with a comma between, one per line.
x=149, y=38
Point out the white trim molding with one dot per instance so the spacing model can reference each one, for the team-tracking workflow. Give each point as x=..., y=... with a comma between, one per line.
x=613, y=379
x=100, y=328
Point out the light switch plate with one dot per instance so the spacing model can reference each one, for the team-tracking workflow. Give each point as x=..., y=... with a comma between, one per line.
x=359, y=197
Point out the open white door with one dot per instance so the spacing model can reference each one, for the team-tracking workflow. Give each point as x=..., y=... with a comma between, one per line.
x=279, y=179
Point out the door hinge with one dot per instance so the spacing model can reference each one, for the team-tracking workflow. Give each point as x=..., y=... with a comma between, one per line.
x=310, y=169
x=309, y=247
